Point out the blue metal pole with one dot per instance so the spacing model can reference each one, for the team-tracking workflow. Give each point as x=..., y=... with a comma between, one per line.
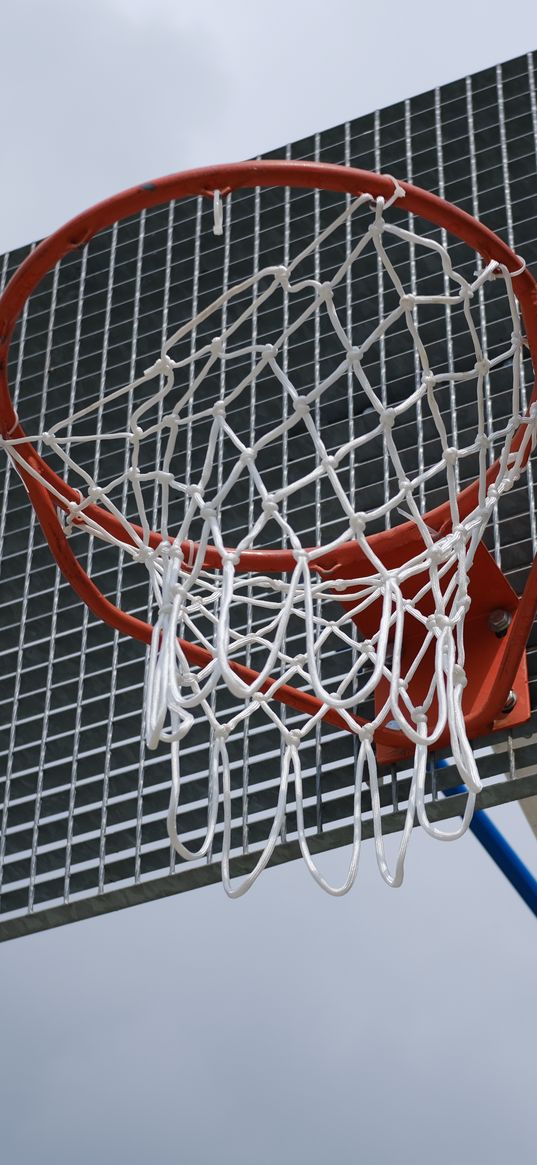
x=502, y=853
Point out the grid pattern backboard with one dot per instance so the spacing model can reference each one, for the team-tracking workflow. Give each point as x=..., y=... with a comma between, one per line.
x=84, y=803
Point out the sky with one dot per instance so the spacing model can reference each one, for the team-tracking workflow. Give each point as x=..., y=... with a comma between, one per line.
x=285, y=1026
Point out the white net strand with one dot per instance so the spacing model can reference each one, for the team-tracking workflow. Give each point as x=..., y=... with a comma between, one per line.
x=234, y=614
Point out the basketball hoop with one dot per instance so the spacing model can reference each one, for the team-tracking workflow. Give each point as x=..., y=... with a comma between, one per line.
x=401, y=593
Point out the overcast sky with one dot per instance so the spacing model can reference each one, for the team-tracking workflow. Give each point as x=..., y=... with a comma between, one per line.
x=103, y=94
x=286, y=1026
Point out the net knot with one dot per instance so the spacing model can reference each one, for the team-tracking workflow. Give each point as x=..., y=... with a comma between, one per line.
x=357, y=524
x=376, y=228
x=221, y=731
x=281, y=276
x=326, y=292
x=482, y=367
x=407, y=302
x=162, y=367
x=208, y=513
x=269, y=506
x=270, y=352
x=292, y=737
x=219, y=409
x=248, y=456
x=451, y=456
x=96, y=493
x=356, y=357
x=217, y=346
x=438, y=622
x=301, y=407
x=387, y=419
x=145, y=553
x=459, y=675
x=230, y=556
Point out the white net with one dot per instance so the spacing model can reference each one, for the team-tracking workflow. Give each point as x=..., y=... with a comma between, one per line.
x=249, y=627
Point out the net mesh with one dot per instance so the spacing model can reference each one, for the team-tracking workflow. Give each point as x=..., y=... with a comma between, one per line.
x=302, y=610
